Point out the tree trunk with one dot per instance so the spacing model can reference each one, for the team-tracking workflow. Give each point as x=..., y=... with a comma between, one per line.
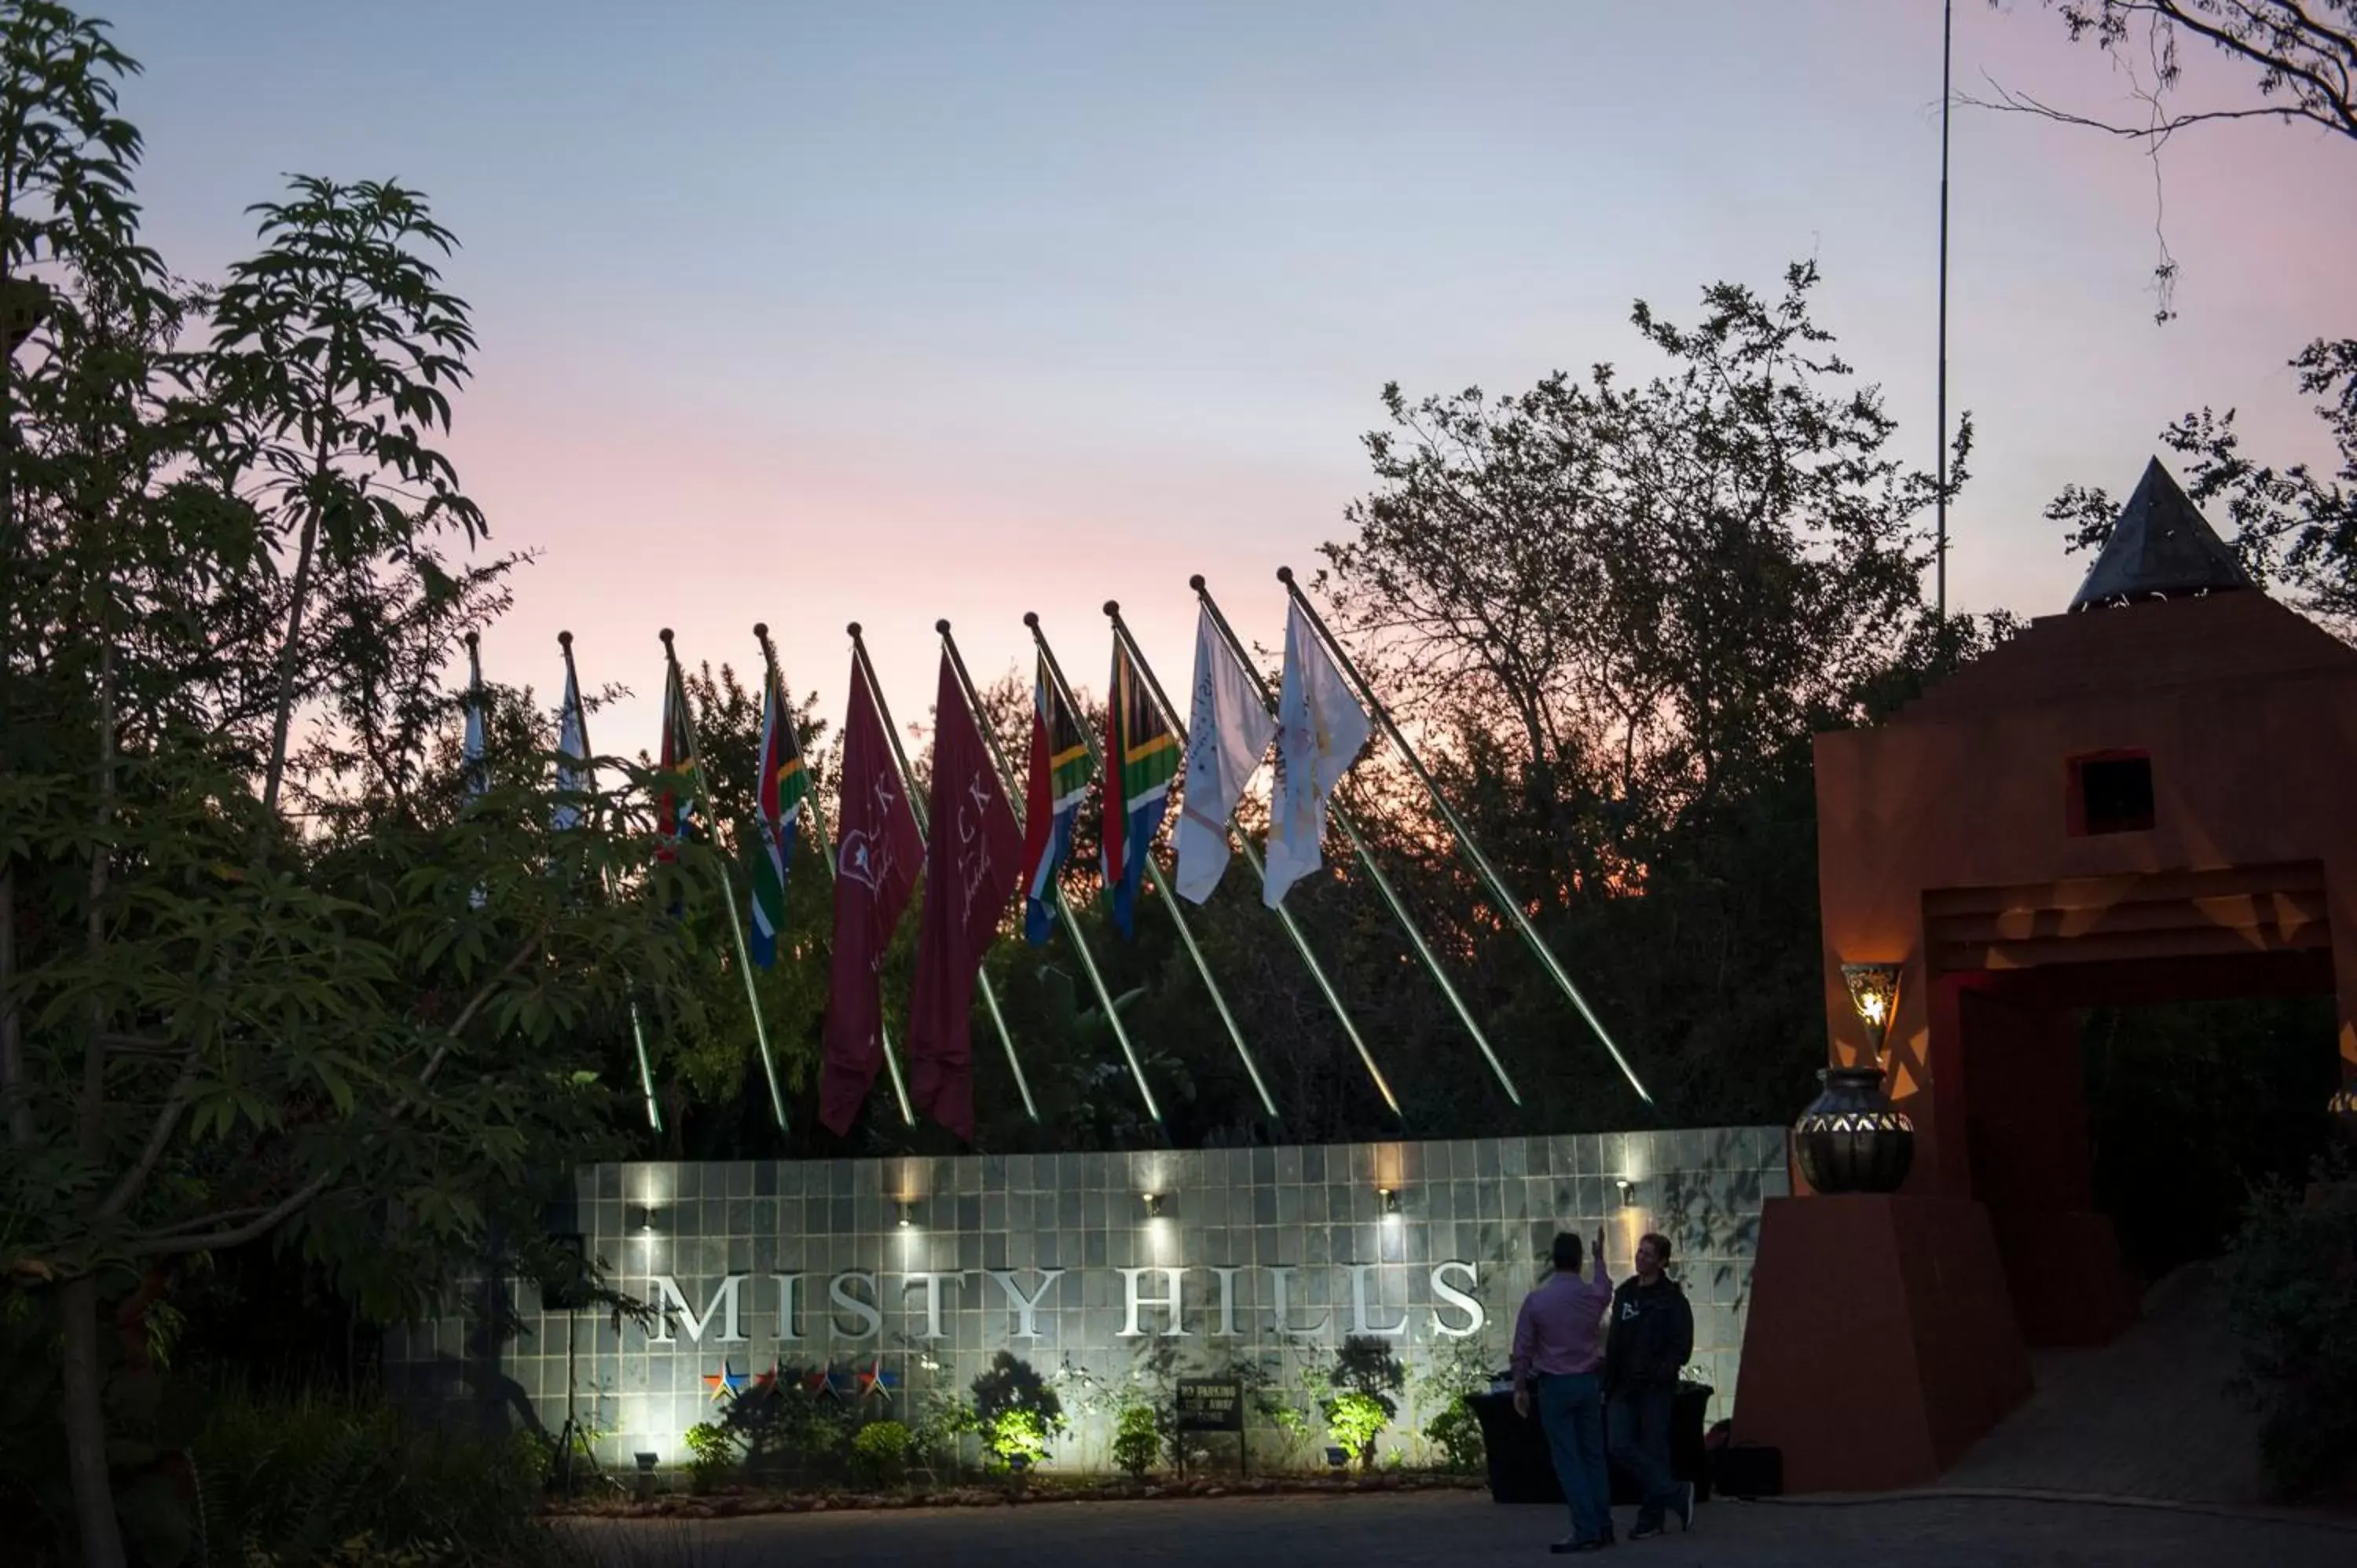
x=287, y=655
x=13, y=1089
x=93, y=1489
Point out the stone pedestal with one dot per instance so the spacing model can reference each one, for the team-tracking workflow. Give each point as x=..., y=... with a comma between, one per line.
x=1880, y=1340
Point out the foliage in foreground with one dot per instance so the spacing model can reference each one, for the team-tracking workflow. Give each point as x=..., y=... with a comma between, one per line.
x=2292, y=1303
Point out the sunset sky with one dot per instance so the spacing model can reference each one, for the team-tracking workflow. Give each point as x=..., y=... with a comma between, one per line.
x=809, y=313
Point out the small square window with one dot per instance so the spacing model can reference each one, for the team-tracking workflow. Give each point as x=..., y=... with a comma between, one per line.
x=2111, y=792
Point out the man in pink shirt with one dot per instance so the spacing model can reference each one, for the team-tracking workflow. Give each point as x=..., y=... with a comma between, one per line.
x=1559, y=1349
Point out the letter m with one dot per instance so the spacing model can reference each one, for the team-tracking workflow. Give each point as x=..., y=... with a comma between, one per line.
x=668, y=1300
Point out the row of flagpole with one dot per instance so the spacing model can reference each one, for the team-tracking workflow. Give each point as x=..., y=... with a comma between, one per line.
x=1320, y=719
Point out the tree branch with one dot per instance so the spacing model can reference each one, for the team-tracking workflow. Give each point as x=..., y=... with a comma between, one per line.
x=176, y=1101
x=2160, y=130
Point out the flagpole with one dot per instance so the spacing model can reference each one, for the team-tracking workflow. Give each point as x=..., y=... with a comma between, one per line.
x=819, y=846
x=1501, y=895
x=1367, y=858
x=638, y=1025
x=1110, y=773
x=1947, y=53
x=1252, y=858
x=728, y=891
x=917, y=810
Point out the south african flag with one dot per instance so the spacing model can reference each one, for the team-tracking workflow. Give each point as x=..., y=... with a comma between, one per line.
x=783, y=783
x=1059, y=778
x=1141, y=759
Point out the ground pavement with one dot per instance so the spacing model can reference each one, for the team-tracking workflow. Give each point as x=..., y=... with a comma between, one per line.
x=1354, y=1531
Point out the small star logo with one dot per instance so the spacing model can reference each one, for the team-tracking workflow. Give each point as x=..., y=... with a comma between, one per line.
x=725, y=1381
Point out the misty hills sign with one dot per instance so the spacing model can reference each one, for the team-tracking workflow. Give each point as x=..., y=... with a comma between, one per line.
x=1153, y=1302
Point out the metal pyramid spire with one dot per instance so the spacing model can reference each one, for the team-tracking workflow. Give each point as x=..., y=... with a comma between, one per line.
x=2161, y=548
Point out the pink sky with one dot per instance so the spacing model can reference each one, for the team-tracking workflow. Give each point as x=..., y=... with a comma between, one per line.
x=804, y=316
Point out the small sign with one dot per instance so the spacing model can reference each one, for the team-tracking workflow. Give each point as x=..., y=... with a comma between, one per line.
x=1211, y=1405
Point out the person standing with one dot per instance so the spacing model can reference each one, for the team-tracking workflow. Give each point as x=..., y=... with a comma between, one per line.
x=1647, y=1346
x=1556, y=1355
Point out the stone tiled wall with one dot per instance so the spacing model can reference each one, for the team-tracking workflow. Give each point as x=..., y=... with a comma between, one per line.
x=1444, y=1270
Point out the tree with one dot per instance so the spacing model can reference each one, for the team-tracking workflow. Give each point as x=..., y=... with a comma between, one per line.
x=369, y=1031
x=2298, y=58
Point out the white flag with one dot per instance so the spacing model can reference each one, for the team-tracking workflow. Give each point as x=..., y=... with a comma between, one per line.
x=477, y=773
x=1320, y=730
x=1227, y=733
x=573, y=746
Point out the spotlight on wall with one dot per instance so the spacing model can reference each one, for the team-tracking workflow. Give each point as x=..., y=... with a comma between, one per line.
x=1391, y=1197
x=1628, y=1190
x=642, y=1218
x=907, y=1211
x=1153, y=1201
x=646, y=1474
x=1874, y=992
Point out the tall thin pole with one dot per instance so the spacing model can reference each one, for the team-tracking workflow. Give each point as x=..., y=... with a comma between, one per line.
x=1110, y=773
x=1375, y=869
x=638, y=1027
x=917, y=809
x=728, y=895
x=1939, y=548
x=1502, y=894
x=1252, y=858
x=819, y=844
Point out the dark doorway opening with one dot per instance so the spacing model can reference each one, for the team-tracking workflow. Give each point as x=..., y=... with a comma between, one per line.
x=2192, y=1104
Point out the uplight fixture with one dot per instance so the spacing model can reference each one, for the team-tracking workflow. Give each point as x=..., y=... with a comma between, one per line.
x=1390, y=1199
x=1153, y=1201
x=1874, y=992
x=1628, y=1190
x=907, y=1211
x=642, y=1218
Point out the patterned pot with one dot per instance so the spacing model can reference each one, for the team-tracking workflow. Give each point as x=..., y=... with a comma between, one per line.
x=1851, y=1139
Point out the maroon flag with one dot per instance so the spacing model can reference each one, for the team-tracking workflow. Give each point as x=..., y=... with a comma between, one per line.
x=875, y=863
x=975, y=861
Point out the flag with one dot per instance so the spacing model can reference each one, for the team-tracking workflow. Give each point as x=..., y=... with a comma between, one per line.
x=1228, y=731
x=1060, y=777
x=1320, y=730
x=877, y=860
x=783, y=785
x=573, y=753
x=1141, y=759
x=972, y=867
x=675, y=811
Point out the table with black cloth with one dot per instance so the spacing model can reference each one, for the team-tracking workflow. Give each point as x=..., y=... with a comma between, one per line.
x=1522, y=1472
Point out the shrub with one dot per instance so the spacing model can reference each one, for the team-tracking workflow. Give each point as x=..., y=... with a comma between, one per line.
x=879, y=1454
x=1366, y=1374
x=315, y=1480
x=711, y=1454
x=2292, y=1304
x=1457, y=1433
x=1136, y=1440
x=1016, y=1411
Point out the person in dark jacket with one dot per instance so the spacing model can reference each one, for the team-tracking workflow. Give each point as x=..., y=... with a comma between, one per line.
x=1649, y=1334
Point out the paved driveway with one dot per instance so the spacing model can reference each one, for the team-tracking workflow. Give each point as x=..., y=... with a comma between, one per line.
x=1349, y=1532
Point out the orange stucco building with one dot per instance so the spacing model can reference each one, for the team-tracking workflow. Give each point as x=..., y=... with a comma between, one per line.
x=2147, y=799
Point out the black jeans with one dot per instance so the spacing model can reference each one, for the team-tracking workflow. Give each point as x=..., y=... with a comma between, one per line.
x=1637, y=1421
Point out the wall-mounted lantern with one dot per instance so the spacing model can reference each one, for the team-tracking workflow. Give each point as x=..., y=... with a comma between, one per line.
x=1628, y=1191
x=907, y=1211
x=1153, y=1201
x=1874, y=993
x=1391, y=1198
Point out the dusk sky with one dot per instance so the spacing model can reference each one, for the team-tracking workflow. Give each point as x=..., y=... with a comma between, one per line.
x=806, y=312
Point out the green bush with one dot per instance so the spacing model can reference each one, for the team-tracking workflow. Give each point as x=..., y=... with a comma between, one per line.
x=879, y=1454
x=1365, y=1375
x=1457, y=1433
x=1016, y=1413
x=1136, y=1440
x=317, y=1481
x=2292, y=1304
x=711, y=1454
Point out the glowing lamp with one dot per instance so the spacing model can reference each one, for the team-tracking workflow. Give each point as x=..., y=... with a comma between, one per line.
x=1874, y=992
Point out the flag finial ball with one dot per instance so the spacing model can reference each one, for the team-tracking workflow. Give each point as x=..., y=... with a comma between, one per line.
x=943, y=626
x=564, y=640
x=1285, y=574
x=762, y=631
x=1113, y=608
x=474, y=639
x=665, y=635
x=1196, y=582
x=853, y=630
x=1031, y=619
